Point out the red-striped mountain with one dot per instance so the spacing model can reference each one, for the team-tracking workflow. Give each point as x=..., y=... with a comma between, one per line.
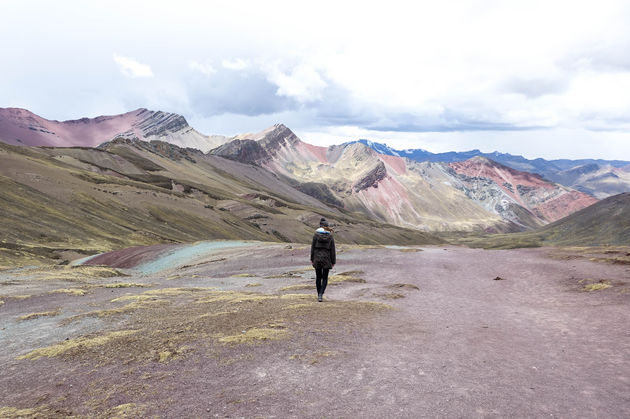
x=471, y=195
x=22, y=127
x=510, y=191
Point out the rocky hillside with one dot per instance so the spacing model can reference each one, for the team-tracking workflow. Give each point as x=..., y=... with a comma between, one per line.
x=21, y=127
x=474, y=195
x=61, y=203
x=509, y=192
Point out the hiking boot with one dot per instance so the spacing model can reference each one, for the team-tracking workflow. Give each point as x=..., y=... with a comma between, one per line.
x=320, y=297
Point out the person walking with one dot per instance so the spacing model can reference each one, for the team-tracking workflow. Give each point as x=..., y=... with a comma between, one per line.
x=323, y=256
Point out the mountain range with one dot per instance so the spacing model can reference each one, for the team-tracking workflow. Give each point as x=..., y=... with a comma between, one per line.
x=478, y=194
x=596, y=177
x=144, y=177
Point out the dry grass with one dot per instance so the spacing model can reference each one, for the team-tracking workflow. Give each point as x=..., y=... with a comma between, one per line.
x=14, y=412
x=297, y=287
x=392, y=295
x=256, y=335
x=616, y=255
x=244, y=275
x=80, y=343
x=69, y=291
x=71, y=273
x=254, y=284
x=127, y=411
x=313, y=358
x=338, y=279
x=126, y=285
x=37, y=315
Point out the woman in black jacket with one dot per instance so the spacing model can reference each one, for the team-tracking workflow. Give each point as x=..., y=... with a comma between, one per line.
x=323, y=256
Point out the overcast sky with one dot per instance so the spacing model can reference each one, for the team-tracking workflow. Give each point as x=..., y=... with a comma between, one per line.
x=538, y=78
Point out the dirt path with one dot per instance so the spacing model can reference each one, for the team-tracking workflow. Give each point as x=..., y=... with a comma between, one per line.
x=402, y=333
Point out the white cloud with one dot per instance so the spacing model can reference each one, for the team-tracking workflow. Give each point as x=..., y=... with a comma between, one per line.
x=236, y=65
x=204, y=68
x=302, y=83
x=132, y=68
x=479, y=71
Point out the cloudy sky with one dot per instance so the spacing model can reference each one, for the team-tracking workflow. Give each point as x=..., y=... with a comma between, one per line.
x=538, y=78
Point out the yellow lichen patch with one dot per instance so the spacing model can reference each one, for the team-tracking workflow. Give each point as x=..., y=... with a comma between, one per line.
x=14, y=412
x=21, y=297
x=42, y=314
x=125, y=285
x=127, y=410
x=232, y=297
x=254, y=284
x=69, y=291
x=297, y=287
x=243, y=276
x=255, y=335
x=597, y=287
x=1, y=302
x=81, y=342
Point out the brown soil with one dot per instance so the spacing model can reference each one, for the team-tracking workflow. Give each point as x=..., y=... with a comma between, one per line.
x=399, y=334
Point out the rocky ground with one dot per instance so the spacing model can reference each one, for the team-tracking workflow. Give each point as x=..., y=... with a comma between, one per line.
x=235, y=330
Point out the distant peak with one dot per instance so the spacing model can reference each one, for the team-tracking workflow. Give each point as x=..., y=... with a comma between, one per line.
x=481, y=159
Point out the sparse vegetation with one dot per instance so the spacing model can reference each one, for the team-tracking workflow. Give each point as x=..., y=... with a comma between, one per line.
x=255, y=335
x=81, y=343
x=70, y=291
x=42, y=314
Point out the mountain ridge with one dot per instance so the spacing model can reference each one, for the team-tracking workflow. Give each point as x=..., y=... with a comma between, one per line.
x=21, y=127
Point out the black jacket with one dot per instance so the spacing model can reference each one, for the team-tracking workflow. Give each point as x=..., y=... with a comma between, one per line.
x=323, y=253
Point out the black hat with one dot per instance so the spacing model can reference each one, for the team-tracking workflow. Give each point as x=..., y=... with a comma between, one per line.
x=323, y=222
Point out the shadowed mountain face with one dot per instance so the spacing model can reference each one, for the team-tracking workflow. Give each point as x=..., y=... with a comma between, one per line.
x=599, y=181
x=477, y=194
x=606, y=223
x=21, y=127
x=60, y=203
x=610, y=178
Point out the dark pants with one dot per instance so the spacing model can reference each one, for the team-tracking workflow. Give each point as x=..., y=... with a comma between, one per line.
x=321, y=279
